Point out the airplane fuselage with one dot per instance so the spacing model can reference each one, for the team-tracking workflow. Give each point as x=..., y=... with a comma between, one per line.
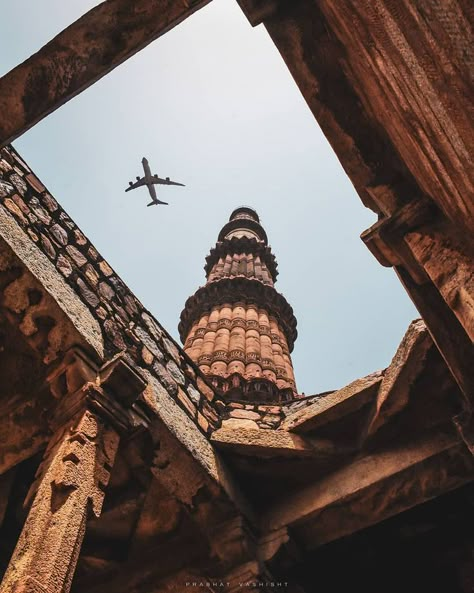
x=149, y=179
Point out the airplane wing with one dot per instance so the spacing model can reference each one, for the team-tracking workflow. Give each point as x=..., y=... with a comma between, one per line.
x=159, y=181
x=138, y=183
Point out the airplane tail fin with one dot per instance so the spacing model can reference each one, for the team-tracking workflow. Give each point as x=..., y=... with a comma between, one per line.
x=157, y=202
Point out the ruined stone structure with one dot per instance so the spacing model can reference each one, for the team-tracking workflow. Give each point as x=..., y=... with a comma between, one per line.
x=238, y=328
x=129, y=464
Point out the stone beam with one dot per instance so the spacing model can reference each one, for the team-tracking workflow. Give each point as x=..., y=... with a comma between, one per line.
x=334, y=405
x=87, y=50
x=389, y=84
x=374, y=488
x=272, y=443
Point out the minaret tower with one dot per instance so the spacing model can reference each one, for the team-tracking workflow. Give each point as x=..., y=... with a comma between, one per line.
x=237, y=328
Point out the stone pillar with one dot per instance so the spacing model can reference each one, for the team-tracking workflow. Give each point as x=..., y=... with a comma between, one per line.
x=70, y=484
x=69, y=490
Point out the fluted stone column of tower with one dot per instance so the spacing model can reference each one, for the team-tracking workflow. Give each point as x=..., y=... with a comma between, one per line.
x=238, y=328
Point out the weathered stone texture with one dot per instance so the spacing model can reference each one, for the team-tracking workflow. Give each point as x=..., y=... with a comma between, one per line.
x=328, y=407
x=70, y=489
x=394, y=391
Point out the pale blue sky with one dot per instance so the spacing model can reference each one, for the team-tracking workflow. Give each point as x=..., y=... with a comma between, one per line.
x=212, y=104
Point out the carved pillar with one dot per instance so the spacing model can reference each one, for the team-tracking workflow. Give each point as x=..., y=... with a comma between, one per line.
x=70, y=483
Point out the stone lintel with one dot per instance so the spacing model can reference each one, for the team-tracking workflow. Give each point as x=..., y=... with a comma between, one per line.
x=372, y=473
x=334, y=405
x=92, y=46
x=271, y=443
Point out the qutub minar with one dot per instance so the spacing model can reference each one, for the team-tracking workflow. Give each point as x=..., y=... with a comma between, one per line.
x=238, y=328
x=129, y=464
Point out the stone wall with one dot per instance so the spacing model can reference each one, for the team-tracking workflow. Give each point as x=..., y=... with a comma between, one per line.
x=125, y=324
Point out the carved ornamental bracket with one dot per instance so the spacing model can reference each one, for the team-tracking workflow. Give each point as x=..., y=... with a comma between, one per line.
x=386, y=238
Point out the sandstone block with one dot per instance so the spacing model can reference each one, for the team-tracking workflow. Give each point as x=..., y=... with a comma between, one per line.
x=165, y=378
x=50, y=203
x=106, y=291
x=236, y=406
x=91, y=275
x=59, y=234
x=48, y=246
x=203, y=423
x=76, y=255
x=147, y=356
x=239, y=423
x=35, y=183
x=183, y=398
x=105, y=268
x=176, y=372
x=90, y=297
x=64, y=266
x=10, y=204
x=194, y=394
x=205, y=389
x=245, y=414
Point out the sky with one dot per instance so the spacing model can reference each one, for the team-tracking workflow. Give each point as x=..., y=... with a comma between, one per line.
x=211, y=104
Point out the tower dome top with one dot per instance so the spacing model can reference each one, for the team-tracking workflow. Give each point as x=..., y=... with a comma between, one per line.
x=244, y=212
x=243, y=222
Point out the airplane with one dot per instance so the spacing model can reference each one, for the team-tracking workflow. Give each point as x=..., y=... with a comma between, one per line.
x=150, y=181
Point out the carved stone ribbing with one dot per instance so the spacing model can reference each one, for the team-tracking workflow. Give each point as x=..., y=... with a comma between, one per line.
x=233, y=291
x=238, y=245
x=238, y=325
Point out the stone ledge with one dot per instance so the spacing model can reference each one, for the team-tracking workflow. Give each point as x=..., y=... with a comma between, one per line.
x=270, y=443
x=334, y=405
